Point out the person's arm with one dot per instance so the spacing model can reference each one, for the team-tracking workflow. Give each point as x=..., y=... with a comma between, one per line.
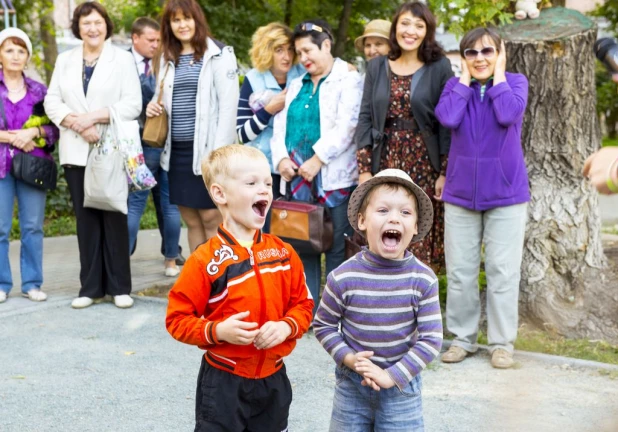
x=187, y=303
x=428, y=343
x=363, y=136
x=601, y=168
x=249, y=125
x=55, y=107
x=453, y=102
x=444, y=134
x=226, y=85
x=278, y=149
x=326, y=323
x=509, y=99
x=299, y=311
x=129, y=106
x=338, y=140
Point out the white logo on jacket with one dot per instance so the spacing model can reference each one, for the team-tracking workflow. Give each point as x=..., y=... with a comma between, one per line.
x=224, y=254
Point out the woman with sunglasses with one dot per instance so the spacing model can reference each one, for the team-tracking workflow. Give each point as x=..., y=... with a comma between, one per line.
x=397, y=127
x=312, y=141
x=486, y=195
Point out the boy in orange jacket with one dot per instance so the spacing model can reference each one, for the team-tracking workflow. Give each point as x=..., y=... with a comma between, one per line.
x=242, y=297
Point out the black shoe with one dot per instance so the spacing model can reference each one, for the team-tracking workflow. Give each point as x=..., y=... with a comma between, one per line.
x=180, y=260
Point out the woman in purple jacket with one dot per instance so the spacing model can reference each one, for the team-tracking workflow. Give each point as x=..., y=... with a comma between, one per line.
x=485, y=195
x=19, y=97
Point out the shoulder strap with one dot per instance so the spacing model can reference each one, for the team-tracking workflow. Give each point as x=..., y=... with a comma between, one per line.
x=161, y=85
x=6, y=124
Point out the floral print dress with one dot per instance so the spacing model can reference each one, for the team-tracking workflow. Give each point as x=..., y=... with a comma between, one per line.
x=405, y=150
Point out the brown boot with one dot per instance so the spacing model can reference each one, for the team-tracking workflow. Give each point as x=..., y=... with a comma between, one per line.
x=454, y=354
x=501, y=359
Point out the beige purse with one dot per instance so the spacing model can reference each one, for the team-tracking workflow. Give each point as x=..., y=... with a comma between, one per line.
x=156, y=128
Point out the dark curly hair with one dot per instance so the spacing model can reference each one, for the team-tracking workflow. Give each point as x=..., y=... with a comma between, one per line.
x=429, y=51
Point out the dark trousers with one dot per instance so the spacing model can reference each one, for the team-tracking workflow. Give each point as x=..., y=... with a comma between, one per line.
x=229, y=403
x=276, y=194
x=103, y=239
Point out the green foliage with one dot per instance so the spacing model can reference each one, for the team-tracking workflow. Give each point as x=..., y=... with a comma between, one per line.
x=609, y=10
x=459, y=16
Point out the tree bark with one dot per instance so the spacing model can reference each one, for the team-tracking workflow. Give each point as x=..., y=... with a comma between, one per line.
x=48, y=39
x=287, y=18
x=342, y=30
x=566, y=283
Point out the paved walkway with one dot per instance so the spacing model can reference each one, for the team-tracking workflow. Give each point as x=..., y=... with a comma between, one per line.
x=61, y=268
x=106, y=369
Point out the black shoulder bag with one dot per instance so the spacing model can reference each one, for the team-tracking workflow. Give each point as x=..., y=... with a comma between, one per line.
x=38, y=172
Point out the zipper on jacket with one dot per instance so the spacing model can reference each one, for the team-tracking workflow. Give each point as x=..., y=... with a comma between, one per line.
x=476, y=157
x=258, y=277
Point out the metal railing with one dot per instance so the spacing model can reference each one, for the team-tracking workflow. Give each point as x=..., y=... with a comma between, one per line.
x=9, y=13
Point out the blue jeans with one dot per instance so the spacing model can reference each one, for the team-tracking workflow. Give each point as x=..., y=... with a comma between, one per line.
x=358, y=408
x=31, y=207
x=168, y=216
x=335, y=256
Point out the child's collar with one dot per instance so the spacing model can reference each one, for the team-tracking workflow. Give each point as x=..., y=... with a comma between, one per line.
x=378, y=260
x=227, y=238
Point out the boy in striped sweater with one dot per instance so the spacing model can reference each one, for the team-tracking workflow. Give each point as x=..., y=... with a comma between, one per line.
x=386, y=303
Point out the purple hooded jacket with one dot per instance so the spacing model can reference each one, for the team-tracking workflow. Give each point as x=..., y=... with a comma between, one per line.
x=486, y=167
x=16, y=116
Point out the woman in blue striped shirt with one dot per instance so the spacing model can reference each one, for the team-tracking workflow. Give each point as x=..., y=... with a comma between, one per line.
x=200, y=94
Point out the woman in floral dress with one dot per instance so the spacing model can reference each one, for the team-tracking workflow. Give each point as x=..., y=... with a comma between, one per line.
x=397, y=127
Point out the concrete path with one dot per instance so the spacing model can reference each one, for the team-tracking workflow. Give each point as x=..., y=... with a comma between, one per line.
x=61, y=268
x=106, y=369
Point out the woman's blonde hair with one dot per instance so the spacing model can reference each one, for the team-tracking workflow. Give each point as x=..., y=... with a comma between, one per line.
x=265, y=41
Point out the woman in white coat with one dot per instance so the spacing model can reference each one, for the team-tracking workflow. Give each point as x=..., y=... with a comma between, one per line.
x=312, y=140
x=88, y=80
x=200, y=95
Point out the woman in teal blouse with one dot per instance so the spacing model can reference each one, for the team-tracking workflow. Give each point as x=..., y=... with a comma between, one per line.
x=317, y=155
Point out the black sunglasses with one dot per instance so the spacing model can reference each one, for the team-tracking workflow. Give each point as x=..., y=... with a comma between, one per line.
x=486, y=52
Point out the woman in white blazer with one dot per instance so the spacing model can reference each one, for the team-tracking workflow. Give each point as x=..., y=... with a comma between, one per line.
x=200, y=95
x=312, y=140
x=88, y=80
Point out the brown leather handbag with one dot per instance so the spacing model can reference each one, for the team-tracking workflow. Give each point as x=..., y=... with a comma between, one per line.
x=156, y=128
x=307, y=226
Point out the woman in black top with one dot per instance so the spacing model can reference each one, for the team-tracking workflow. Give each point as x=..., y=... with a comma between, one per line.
x=397, y=127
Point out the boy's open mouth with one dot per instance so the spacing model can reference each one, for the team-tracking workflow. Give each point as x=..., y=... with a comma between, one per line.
x=391, y=238
x=259, y=207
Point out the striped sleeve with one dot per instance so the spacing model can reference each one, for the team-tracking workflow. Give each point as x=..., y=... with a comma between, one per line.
x=429, y=342
x=249, y=125
x=327, y=319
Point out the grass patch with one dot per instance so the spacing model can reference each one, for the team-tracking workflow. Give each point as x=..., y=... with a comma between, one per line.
x=609, y=142
x=63, y=225
x=550, y=343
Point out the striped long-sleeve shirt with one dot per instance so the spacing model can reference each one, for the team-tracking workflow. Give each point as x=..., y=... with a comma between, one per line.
x=248, y=124
x=390, y=307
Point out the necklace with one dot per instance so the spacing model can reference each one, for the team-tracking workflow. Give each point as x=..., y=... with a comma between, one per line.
x=90, y=63
x=17, y=90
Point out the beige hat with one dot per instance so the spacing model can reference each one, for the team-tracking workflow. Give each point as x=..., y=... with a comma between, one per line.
x=376, y=28
x=425, y=207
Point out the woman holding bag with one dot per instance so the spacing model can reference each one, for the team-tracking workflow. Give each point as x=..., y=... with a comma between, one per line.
x=200, y=95
x=19, y=99
x=86, y=81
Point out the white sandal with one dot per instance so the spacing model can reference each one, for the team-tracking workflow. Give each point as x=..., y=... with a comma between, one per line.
x=35, y=294
x=2, y=296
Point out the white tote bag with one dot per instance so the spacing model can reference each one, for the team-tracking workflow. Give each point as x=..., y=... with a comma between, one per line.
x=106, y=185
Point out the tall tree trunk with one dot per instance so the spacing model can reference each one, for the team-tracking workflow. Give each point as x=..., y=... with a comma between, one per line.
x=48, y=38
x=287, y=18
x=566, y=283
x=342, y=30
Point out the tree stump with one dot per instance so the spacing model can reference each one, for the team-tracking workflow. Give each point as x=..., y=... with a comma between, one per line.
x=566, y=282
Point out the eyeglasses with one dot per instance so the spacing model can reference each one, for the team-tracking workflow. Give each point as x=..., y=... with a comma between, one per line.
x=486, y=52
x=315, y=27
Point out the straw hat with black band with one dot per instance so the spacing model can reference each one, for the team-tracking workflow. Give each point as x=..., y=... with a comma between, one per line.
x=376, y=28
x=393, y=176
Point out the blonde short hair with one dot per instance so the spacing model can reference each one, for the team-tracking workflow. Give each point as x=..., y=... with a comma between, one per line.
x=216, y=166
x=265, y=41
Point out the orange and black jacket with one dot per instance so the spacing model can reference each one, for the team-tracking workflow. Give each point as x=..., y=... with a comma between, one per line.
x=222, y=278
